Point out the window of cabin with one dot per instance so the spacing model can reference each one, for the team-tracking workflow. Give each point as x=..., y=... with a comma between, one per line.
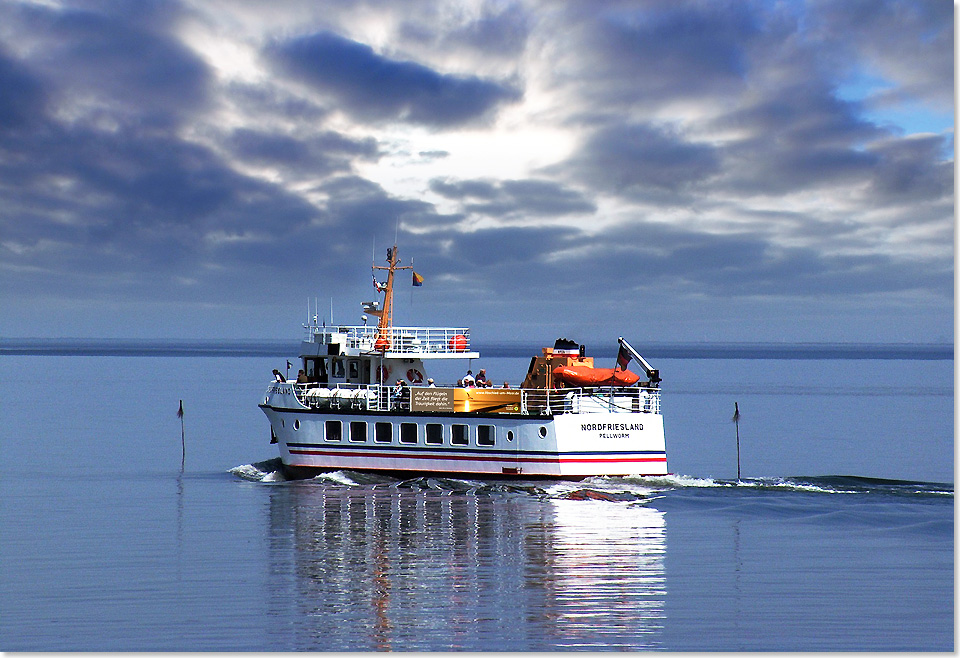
x=408, y=432
x=358, y=431
x=486, y=435
x=317, y=370
x=434, y=434
x=334, y=430
x=383, y=432
x=337, y=368
x=458, y=435
x=353, y=368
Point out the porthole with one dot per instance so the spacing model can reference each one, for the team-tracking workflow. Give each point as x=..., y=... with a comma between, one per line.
x=296, y=424
x=509, y=435
x=543, y=432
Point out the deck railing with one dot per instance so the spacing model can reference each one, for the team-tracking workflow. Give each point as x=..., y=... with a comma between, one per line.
x=533, y=402
x=403, y=340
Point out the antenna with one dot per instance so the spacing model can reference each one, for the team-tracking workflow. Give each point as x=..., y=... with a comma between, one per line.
x=331, y=311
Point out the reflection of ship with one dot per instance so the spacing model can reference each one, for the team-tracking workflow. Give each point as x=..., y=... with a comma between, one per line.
x=568, y=418
x=435, y=569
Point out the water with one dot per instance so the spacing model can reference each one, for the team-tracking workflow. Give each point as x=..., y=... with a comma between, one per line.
x=838, y=536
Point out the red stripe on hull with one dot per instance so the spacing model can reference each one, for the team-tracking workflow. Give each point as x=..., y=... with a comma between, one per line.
x=505, y=458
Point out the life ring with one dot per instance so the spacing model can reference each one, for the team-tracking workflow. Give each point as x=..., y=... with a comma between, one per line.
x=415, y=376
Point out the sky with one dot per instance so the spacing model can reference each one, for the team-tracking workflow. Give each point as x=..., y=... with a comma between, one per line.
x=775, y=171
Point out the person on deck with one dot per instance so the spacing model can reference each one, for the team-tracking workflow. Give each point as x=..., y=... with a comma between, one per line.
x=302, y=377
x=278, y=375
x=468, y=380
x=482, y=379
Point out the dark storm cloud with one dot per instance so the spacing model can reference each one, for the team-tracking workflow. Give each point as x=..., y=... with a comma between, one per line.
x=126, y=193
x=523, y=198
x=650, y=54
x=23, y=98
x=377, y=88
x=326, y=153
x=654, y=258
x=644, y=161
x=269, y=101
x=913, y=42
x=116, y=61
x=497, y=32
x=910, y=169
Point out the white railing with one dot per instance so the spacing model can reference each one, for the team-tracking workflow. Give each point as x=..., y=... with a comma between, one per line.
x=533, y=402
x=404, y=340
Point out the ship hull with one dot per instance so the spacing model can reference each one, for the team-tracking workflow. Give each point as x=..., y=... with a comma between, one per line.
x=571, y=445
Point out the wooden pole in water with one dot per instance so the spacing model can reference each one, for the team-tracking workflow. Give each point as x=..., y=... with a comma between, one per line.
x=736, y=419
x=183, y=444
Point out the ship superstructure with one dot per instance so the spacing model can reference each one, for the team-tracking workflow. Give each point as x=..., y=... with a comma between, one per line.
x=364, y=401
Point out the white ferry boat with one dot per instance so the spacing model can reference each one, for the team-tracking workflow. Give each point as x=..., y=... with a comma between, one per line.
x=364, y=401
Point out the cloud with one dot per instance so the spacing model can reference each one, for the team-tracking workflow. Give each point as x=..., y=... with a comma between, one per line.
x=153, y=78
x=719, y=151
x=493, y=31
x=517, y=198
x=376, y=88
x=24, y=99
x=643, y=161
x=323, y=154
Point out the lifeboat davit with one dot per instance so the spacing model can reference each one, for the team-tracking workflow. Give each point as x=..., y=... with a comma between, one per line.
x=587, y=376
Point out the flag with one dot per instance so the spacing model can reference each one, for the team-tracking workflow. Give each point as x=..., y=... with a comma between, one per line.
x=376, y=284
x=623, y=358
x=180, y=410
x=736, y=413
x=289, y=365
x=417, y=279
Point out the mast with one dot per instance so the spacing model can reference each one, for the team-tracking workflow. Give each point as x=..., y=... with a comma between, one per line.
x=386, y=313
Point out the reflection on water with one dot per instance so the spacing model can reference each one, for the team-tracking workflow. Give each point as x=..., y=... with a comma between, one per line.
x=394, y=568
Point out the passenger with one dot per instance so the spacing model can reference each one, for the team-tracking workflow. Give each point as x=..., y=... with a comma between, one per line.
x=506, y=384
x=482, y=379
x=468, y=380
x=302, y=377
x=401, y=394
x=278, y=375
x=430, y=383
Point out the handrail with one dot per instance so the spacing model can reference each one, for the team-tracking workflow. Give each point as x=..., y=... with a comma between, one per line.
x=408, y=340
x=533, y=401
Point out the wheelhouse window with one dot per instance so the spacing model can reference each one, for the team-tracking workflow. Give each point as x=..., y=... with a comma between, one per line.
x=358, y=431
x=434, y=434
x=408, y=432
x=383, y=432
x=458, y=435
x=486, y=435
x=334, y=430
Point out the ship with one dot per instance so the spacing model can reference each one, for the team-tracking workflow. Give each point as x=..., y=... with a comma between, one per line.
x=364, y=400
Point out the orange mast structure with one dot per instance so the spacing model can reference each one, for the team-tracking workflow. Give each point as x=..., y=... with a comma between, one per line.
x=386, y=313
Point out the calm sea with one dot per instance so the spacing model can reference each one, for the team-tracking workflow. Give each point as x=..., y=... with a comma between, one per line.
x=839, y=534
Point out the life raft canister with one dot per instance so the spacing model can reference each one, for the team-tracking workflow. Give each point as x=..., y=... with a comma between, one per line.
x=458, y=343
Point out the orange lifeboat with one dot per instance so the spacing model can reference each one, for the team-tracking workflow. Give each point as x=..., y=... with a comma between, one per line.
x=587, y=376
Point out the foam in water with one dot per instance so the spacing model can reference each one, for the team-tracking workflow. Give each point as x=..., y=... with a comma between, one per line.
x=336, y=477
x=269, y=470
